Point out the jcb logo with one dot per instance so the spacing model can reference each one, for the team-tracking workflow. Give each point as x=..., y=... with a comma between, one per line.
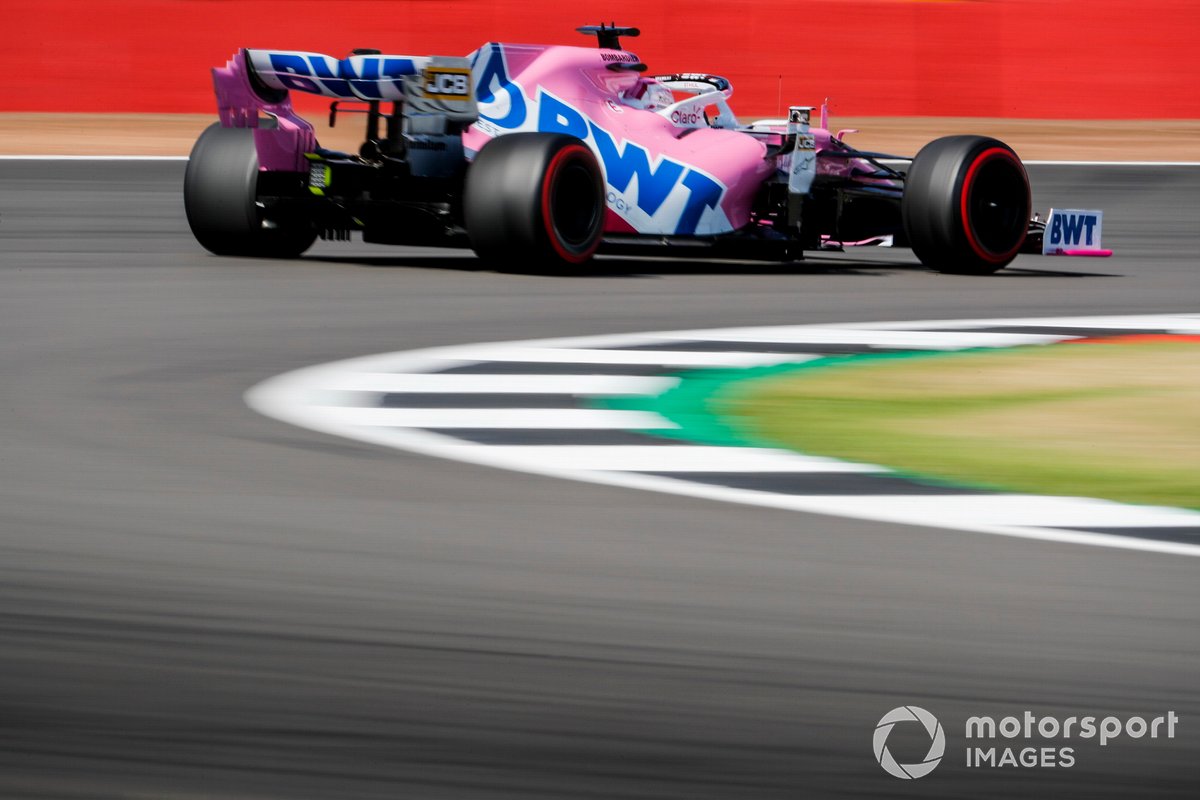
x=447, y=84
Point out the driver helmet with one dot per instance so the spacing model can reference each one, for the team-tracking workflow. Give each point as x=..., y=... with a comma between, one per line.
x=649, y=94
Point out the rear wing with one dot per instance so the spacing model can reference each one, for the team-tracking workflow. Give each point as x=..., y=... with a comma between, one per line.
x=443, y=81
x=431, y=96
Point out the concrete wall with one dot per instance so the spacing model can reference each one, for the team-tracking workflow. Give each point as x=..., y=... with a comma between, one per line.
x=1070, y=59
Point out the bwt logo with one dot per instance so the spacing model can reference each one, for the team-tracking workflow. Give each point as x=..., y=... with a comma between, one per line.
x=1067, y=228
x=622, y=165
x=937, y=742
x=503, y=104
x=358, y=77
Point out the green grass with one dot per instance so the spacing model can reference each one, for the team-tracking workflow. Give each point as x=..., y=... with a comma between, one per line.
x=1115, y=421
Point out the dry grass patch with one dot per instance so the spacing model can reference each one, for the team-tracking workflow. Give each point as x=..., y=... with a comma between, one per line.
x=1118, y=421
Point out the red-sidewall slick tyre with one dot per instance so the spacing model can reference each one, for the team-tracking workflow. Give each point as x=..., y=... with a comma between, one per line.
x=534, y=201
x=966, y=205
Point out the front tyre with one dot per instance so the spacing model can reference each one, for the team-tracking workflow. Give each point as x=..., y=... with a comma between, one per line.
x=534, y=200
x=220, y=199
x=966, y=205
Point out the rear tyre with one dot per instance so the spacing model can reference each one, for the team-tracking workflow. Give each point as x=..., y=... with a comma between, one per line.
x=966, y=205
x=535, y=200
x=220, y=194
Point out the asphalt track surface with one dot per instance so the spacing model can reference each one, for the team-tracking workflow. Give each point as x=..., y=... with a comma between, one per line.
x=198, y=601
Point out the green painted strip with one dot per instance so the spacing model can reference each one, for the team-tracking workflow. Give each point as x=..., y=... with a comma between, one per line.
x=694, y=402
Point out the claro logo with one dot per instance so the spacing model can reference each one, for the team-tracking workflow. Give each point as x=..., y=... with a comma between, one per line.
x=687, y=117
x=937, y=742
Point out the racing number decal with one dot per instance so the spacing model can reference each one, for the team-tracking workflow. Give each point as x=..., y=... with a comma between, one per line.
x=446, y=83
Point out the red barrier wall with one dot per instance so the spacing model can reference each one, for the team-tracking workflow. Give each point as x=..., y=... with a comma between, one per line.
x=1070, y=59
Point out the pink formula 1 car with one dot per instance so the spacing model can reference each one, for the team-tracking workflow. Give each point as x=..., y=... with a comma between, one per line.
x=545, y=155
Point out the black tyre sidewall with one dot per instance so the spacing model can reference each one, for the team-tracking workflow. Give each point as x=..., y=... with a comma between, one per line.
x=510, y=199
x=219, y=194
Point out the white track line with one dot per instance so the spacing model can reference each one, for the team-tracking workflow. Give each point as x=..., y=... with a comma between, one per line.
x=675, y=458
x=925, y=340
x=385, y=382
x=1177, y=323
x=529, y=418
x=1035, y=162
x=92, y=158
x=565, y=355
x=995, y=510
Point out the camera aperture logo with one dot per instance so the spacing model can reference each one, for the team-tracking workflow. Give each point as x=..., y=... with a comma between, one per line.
x=937, y=742
x=989, y=742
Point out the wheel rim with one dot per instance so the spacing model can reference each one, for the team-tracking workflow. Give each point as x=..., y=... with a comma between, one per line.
x=995, y=205
x=570, y=204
